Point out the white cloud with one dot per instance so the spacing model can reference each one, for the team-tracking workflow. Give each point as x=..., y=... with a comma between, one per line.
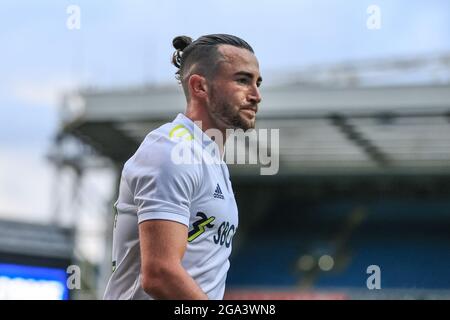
x=42, y=92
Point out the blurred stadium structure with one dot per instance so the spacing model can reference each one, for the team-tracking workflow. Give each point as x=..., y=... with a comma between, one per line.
x=34, y=261
x=364, y=178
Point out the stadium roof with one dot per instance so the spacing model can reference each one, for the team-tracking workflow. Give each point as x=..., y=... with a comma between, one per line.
x=27, y=239
x=402, y=129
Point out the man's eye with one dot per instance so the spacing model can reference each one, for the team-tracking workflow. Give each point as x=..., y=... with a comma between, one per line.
x=243, y=80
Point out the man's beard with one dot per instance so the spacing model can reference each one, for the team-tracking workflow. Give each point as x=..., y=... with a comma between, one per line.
x=224, y=114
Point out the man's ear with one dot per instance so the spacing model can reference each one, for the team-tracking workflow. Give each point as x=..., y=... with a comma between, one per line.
x=198, y=86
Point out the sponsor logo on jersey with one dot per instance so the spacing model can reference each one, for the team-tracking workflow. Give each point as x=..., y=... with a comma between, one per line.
x=199, y=226
x=225, y=234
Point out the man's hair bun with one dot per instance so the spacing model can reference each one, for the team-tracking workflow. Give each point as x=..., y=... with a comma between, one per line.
x=179, y=43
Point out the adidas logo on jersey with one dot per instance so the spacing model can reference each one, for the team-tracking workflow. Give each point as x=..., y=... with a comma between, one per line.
x=218, y=193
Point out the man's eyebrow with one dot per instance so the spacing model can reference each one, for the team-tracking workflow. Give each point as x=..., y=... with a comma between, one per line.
x=247, y=74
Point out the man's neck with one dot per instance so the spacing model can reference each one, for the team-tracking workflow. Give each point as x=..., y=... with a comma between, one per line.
x=200, y=114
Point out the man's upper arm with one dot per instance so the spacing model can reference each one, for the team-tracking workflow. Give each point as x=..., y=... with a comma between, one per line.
x=162, y=242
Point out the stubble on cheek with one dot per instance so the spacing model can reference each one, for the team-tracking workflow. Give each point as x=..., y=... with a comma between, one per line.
x=228, y=115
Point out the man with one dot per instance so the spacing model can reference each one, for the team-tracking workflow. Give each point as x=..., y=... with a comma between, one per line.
x=175, y=221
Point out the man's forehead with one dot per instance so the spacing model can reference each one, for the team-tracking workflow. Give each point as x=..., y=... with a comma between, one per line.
x=238, y=57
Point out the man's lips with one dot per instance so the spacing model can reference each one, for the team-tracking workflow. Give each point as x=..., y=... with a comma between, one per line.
x=254, y=109
x=249, y=111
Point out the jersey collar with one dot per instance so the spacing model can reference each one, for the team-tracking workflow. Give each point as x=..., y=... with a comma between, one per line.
x=200, y=136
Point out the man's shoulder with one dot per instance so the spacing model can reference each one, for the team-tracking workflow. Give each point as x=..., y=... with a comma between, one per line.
x=163, y=139
x=160, y=149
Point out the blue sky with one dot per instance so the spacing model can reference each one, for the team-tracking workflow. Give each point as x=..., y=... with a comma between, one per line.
x=126, y=43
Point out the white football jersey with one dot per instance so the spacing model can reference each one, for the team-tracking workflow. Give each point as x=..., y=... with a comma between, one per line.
x=164, y=179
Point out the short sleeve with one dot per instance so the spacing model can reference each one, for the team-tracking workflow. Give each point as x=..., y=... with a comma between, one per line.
x=162, y=188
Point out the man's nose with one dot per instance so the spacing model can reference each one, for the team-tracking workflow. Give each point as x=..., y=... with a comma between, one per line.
x=255, y=95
